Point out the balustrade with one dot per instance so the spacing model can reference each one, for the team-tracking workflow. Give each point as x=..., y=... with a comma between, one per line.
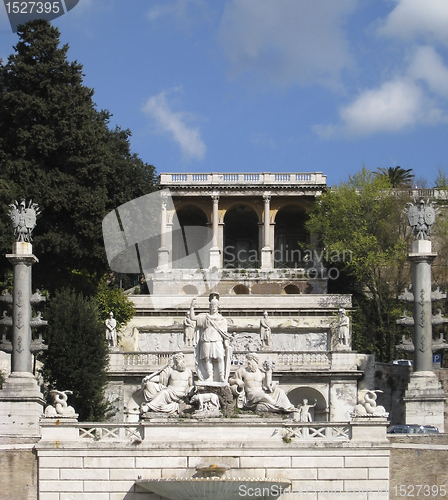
x=313, y=431
x=266, y=179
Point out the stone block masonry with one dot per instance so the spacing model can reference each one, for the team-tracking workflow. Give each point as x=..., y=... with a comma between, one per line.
x=324, y=467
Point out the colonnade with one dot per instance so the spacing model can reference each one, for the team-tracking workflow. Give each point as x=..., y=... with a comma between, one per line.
x=215, y=251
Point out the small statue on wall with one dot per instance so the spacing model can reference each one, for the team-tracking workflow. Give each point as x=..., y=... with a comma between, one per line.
x=343, y=329
x=189, y=326
x=368, y=407
x=255, y=389
x=303, y=413
x=265, y=330
x=208, y=402
x=60, y=409
x=111, y=330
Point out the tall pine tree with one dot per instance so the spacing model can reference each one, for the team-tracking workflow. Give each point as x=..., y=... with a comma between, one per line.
x=58, y=150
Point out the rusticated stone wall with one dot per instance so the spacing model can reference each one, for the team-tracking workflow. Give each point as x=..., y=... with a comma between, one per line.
x=419, y=466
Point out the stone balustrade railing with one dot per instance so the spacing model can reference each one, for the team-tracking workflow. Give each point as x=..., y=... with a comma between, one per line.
x=242, y=179
x=135, y=432
x=151, y=361
x=319, y=431
x=108, y=432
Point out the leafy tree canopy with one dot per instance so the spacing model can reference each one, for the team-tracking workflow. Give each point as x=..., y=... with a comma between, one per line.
x=363, y=222
x=110, y=298
x=58, y=150
x=77, y=355
x=441, y=181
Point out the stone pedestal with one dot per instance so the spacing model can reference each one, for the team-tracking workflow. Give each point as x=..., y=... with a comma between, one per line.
x=369, y=428
x=163, y=258
x=424, y=400
x=266, y=258
x=215, y=258
x=21, y=406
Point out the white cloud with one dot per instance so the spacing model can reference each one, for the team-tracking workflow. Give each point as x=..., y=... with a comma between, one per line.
x=287, y=41
x=412, y=18
x=428, y=66
x=173, y=124
x=417, y=96
x=396, y=105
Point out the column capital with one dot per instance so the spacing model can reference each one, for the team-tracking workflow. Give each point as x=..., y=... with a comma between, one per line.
x=267, y=196
x=215, y=197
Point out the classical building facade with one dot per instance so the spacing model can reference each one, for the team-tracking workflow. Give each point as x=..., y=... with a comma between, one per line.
x=242, y=225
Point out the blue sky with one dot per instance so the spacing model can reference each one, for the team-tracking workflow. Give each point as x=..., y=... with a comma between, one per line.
x=268, y=85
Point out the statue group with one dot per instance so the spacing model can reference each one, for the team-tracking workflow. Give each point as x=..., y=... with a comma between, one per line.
x=252, y=385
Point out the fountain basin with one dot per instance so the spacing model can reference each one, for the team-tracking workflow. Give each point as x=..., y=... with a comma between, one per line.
x=216, y=488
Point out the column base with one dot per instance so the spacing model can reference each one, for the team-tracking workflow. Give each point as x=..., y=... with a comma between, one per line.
x=215, y=258
x=163, y=259
x=21, y=406
x=425, y=401
x=266, y=258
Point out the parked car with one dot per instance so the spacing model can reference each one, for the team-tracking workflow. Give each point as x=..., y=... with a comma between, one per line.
x=404, y=362
x=412, y=429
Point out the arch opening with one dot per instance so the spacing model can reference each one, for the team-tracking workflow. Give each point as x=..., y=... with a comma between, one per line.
x=291, y=290
x=192, y=239
x=290, y=237
x=319, y=413
x=241, y=290
x=241, y=235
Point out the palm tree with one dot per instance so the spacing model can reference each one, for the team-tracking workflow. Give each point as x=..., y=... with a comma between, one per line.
x=398, y=177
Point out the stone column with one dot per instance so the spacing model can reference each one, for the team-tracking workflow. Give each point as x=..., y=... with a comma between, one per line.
x=21, y=336
x=421, y=259
x=163, y=252
x=266, y=251
x=424, y=398
x=21, y=401
x=215, y=253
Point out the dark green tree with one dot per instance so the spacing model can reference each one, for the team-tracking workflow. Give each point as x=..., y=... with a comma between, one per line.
x=58, y=150
x=77, y=355
x=363, y=223
x=398, y=177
